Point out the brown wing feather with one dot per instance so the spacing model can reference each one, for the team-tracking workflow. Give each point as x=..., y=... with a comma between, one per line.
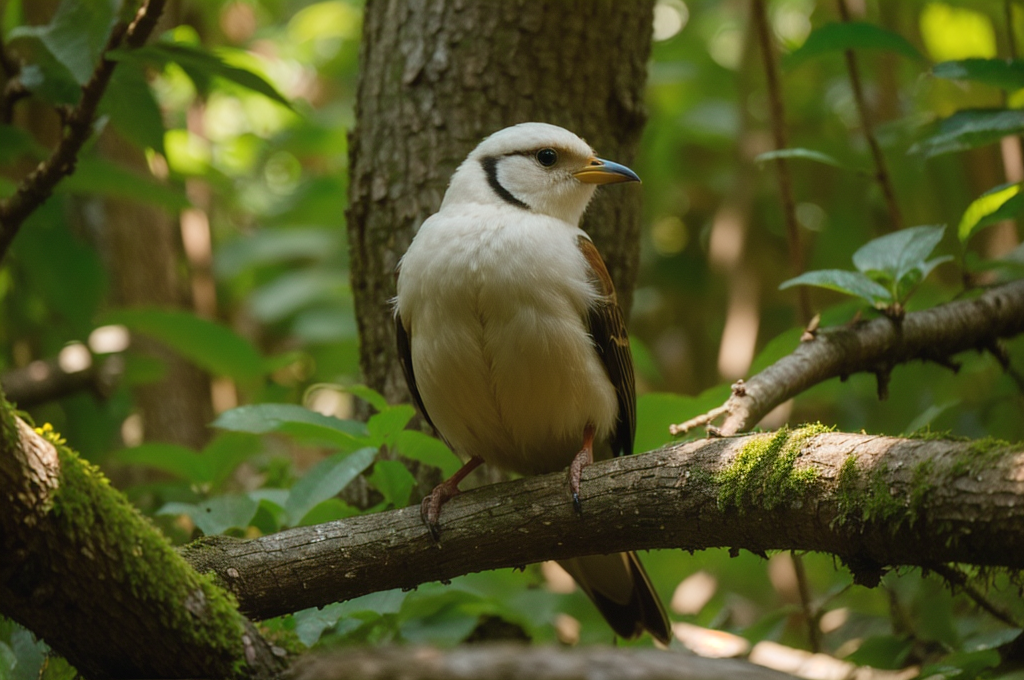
x=405, y=357
x=608, y=329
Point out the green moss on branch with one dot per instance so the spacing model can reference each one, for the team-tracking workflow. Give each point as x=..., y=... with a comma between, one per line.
x=764, y=474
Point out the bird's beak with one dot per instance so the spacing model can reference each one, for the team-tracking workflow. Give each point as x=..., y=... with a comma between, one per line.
x=600, y=171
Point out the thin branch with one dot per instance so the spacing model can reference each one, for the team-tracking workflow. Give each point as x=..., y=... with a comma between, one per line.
x=778, y=116
x=37, y=186
x=810, y=616
x=9, y=64
x=881, y=171
x=935, y=507
x=934, y=334
x=957, y=579
x=44, y=381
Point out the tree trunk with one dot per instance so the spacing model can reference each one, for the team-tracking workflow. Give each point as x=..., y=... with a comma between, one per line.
x=436, y=77
x=144, y=252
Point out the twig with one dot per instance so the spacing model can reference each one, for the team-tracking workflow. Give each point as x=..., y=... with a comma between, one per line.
x=37, y=186
x=810, y=616
x=778, y=117
x=704, y=419
x=9, y=65
x=13, y=89
x=881, y=171
x=958, y=579
x=841, y=351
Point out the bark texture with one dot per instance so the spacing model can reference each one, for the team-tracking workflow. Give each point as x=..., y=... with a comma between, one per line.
x=439, y=75
x=510, y=662
x=81, y=568
x=873, y=501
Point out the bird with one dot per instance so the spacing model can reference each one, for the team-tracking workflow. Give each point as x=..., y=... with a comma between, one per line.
x=511, y=339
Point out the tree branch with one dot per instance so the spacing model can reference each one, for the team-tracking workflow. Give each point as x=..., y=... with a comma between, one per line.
x=874, y=346
x=81, y=568
x=37, y=186
x=519, y=662
x=44, y=381
x=872, y=501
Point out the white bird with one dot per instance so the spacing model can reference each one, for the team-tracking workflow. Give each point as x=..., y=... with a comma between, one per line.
x=513, y=345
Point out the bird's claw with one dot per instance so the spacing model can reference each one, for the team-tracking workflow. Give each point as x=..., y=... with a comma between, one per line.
x=430, y=513
x=576, y=505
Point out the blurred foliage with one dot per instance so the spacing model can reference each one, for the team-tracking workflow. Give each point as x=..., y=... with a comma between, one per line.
x=250, y=101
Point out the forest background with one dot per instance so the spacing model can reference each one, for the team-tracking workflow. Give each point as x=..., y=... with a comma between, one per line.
x=167, y=309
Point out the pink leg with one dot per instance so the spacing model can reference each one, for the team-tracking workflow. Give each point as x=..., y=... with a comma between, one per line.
x=584, y=458
x=430, y=508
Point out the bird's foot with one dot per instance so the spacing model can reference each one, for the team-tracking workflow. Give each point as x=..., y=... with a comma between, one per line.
x=430, y=507
x=582, y=459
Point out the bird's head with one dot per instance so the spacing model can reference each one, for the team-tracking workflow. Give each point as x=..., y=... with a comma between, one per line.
x=534, y=166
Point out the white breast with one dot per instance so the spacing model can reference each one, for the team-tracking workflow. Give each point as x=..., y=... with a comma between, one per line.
x=495, y=302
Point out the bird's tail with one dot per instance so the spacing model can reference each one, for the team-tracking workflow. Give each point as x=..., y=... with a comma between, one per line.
x=619, y=587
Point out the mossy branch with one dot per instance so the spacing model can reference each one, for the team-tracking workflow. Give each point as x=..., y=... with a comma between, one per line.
x=872, y=501
x=85, y=571
x=875, y=346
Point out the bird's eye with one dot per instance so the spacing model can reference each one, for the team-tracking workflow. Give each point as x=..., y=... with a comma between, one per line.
x=547, y=157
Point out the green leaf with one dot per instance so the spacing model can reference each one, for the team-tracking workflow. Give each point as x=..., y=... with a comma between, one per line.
x=851, y=283
x=1006, y=74
x=326, y=325
x=887, y=652
x=15, y=143
x=804, y=154
x=273, y=246
x=173, y=459
x=415, y=445
x=209, y=345
x=853, y=35
x=311, y=623
x=969, y=129
x=76, y=35
x=216, y=515
x=290, y=292
x=962, y=665
x=297, y=421
x=325, y=480
x=133, y=109
x=65, y=272
x=101, y=177
x=996, y=204
x=369, y=395
x=385, y=425
x=895, y=255
x=200, y=66
x=394, y=481
x=47, y=78
x=330, y=510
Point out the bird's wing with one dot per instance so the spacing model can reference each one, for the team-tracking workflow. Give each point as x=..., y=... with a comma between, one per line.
x=608, y=329
x=405, y=357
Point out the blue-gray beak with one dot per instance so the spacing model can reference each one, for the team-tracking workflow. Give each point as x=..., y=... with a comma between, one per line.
x=600, y=171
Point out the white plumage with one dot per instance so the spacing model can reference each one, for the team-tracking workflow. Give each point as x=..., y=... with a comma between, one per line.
x=511, y=338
